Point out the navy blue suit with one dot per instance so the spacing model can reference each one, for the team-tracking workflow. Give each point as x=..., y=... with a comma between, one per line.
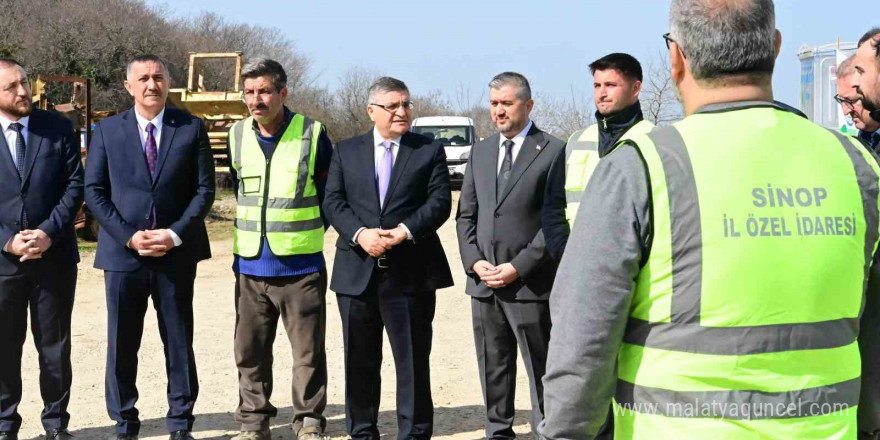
x=51, y=194
x=401, y=298
x=121, y=194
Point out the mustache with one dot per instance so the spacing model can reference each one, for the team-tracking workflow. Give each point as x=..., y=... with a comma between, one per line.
x=260, y=107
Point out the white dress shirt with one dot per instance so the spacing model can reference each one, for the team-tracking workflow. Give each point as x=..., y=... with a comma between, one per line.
x=517, y=145
x=10, y=134
x=378, y=153
x=157, y=135
x=142, y=128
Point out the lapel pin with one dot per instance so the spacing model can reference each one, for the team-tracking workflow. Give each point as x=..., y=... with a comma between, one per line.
x=538, y=147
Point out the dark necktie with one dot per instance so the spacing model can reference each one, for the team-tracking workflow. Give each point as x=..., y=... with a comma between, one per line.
x=504, y=173
x=150, y=149
x=152, y=154
x=19, y=164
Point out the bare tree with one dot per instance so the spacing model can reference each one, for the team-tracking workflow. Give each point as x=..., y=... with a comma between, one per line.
x=560, y=117
x=660, y=103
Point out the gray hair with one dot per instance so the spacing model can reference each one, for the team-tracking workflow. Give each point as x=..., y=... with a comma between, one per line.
x=523, y=89
x=387, y=84
x=145, y=58
x=846, y=67
x=726, y=40
x=265, y=67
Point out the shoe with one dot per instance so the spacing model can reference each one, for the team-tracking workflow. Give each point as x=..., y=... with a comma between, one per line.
x=180, y=435
x=8, y=435
x=310, y=433
x=59, y=434
x=253, y=435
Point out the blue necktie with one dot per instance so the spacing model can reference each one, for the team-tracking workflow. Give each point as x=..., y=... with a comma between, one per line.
x=19, y=164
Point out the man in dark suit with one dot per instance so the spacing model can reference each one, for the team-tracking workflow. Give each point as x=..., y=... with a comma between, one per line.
x=387, y=194
x=40, y=193
x=150, y=184
x=502, y=248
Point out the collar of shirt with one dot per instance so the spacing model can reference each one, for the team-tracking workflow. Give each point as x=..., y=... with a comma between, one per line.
x=518, y=139
x=378, y=149
x=10, y=136
x=6, y=122
x=378, y=139
x=142, y=127
x=517, y=144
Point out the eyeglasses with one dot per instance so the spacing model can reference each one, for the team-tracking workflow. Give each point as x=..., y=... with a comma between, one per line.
x=669, y=39
x=846, y=102
x=391, y=108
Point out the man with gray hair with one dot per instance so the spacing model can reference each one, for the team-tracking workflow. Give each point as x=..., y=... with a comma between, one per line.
x=279, y=170
x=733, y=291
x=851, y=103
x=504, y=254
x=387, y=194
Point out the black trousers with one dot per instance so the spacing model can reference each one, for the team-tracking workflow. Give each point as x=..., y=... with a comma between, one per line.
x=171, y=289
x=49, y=292
x=407, y=317
x=499, y=326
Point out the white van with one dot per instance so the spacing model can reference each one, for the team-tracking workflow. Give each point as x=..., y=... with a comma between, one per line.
x=456, y=134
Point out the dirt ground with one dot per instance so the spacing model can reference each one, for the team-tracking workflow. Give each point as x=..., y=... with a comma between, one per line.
x=458, y=412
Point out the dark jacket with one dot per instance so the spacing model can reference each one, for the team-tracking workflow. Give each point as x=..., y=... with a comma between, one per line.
x=418, y=196
x=121, y=193
x=872, y=140
x=507, y=229
x=51, y=192
x=613, y=127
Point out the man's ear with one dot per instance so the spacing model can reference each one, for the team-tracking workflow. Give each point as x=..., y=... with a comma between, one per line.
x=778, y=42
x=677, y=64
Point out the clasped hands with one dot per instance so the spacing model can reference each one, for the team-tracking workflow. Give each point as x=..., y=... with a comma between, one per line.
x=29, y=244
x=378, y=241
x=151, y=243
x=495, y=276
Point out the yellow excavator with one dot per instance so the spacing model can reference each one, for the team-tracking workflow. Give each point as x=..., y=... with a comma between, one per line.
x=218, y=109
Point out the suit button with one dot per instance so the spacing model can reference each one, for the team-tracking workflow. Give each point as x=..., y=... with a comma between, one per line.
x=497, y=215
x=23, y=195
x=147, y=217
x=17, y=223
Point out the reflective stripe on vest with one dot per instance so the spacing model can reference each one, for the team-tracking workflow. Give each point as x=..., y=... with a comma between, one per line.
x=581, y=158
x=745, y=316
x=277, y=198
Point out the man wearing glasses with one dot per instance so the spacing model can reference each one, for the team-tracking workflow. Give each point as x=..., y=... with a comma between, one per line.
x=387, y=194
x=851, y=102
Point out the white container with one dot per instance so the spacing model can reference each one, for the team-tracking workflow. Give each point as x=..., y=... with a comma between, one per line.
x=819, y=82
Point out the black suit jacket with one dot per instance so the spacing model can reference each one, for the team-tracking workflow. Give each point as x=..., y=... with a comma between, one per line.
x=121, y=193
x=507, y=229
x=418, y=196
x=51, y=191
